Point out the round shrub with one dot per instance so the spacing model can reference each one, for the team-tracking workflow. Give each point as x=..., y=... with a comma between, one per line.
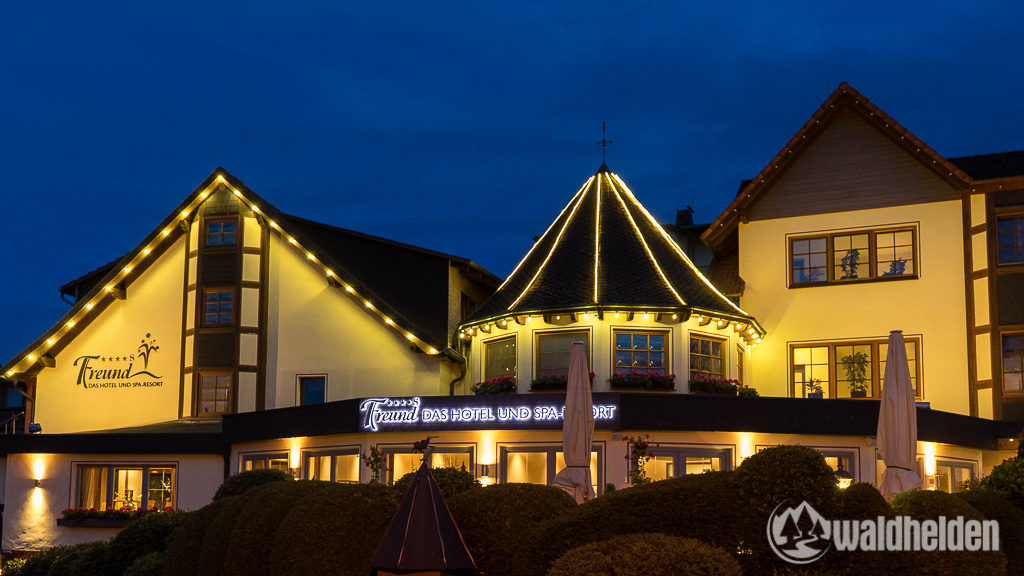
x=182, y=556
x=646, y=555
x=1011, y=525
x=929, y=505
x=862, y=501
x=699, y=506
x=775, y=475
x=244, y=481
x=500, y=524
x=218, y=535
x=1007, y=480
x=150, y=533
x=336, y=529
x=450, y=481
x=84, y=559
x=151, y=564
x=13, y=566
x=248, y=551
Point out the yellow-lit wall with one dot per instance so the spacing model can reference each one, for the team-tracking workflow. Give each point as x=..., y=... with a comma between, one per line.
x=601, y=352
x=153, y=306
x=316, y=328
x=931, y=306
x=30, y=522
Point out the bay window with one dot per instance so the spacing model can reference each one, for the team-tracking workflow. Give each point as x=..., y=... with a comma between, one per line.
x=126, y=487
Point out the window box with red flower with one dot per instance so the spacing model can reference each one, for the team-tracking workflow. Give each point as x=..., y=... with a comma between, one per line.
x=554, y=382
x=499, y=385
x=642, y=381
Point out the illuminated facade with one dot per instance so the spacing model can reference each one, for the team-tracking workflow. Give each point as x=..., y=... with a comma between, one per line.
x=236, y=337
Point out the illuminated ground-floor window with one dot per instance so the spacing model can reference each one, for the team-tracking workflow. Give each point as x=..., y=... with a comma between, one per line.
x=332, y=465
x=953, y=475
x=675, y=461
x=272, y=461
x=126, y=487
x=403, y=460
x=539, y=464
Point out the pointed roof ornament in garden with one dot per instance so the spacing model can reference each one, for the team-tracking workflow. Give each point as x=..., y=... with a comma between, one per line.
x=423, y=537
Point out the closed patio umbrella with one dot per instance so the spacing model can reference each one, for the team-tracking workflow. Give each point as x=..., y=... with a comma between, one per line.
x=577, y=428
x=897, y=422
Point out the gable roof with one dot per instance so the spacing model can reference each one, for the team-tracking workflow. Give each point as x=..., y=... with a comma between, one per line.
x=605, y=251
x=423, y=535
x=344, y=258
x=991, y=166
x=845, y=97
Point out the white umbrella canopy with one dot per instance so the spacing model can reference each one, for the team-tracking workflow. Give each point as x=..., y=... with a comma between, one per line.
x=897, y=422
x=577, y=428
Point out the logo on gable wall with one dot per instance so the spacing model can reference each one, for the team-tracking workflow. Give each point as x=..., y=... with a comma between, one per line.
x=120, y=370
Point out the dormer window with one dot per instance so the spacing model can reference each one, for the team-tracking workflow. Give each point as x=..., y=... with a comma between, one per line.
x=221, y=232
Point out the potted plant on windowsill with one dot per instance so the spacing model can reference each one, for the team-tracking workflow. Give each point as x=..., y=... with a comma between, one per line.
x=553, y=382
x=499, y=385
x=856, y=366
x=641, y=381
x=703, y=384
x=813, y=387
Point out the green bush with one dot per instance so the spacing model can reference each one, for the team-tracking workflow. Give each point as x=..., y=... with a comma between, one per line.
x=150, y=533
x=500, y=524
x=334, y=530
x=646, y=555
x=248, y=551
x=770, y=477
x=450, y=481
x=13, y=566
x=1007, y=480
x=925, y=504
x=244, y=481
x=182, y=556
x=218, y=535
x=1011, y=525
x=862, y=501
x=151, y=564
x=78, y=560
x=698, y=506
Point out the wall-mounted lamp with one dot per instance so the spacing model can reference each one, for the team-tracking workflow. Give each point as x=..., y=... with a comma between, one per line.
x=845, y=478
x=35, y=428
x=36, y=484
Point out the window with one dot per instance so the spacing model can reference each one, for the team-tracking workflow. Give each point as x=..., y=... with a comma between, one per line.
x=672, y=462
x=214, y=393
x=553, y=351
x=846, y=257
x=333, y=466
x=402, y=461
x=540, y=464
x=706, y=356
x=952, y=476
x=312, y=389
x=218, y=306
x=846, y=369
x=274, y=461
x=642, y=352
x=126, y=487
x=1011, y=239
x=1013, y=363
x=739, y=363
x=500, y=358
x=844, y=464
x=221, y=232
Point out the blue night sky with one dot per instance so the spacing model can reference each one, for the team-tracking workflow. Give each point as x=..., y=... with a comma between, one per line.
x=461, y=127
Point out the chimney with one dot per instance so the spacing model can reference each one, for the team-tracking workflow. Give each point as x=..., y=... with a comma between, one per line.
x=684, y=217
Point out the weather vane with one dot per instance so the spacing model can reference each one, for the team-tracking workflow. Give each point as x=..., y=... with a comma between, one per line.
x=604, y=142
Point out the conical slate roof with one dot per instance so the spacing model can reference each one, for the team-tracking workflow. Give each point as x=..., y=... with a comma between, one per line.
x=605, y=251
x=423, y=536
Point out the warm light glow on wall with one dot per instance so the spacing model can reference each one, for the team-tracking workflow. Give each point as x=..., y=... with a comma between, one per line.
x=929, y=458
x=487, y=456
x=293, y=455
x=38, y=467
x=745, y=445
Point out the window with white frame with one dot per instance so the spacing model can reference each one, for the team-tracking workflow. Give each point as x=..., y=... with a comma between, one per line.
x=500, y=358
x=126, y=486
x=339, y=465
x=676, y=461
x=270, y=461
x=402, y=460
x=312, y=389
x=533, y=464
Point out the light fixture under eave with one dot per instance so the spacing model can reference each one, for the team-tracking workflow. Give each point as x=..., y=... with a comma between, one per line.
x=255, y=208
x=31, y=357
x=389, y=321
x=330, y=272
x=71, y=323
x=49, y=340
x=236, y=192
x=88, y=306
x=432, y=351
x=409, y=335
x=204, y=194
x=166, y=232
x=184, y=213
x=349, y=288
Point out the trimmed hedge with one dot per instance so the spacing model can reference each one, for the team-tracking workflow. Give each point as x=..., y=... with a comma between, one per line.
x=242, y=482
x=335, y=530
x=184, y=550
x=500, y=525
x=1007, y=480
x=646, y=555
x=862, y=501
x=150, y=533
x=770, y=477
x=248, y=551
x=151, y=564
x=218, y=535
x=1011, y=525
x=450, y=481
x=925, y=504
x=703, y=507
x=85, y=559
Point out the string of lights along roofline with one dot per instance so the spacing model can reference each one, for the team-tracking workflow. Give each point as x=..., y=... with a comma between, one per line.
x=80, y=312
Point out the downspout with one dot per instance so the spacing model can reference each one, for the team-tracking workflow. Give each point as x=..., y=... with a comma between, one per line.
x=460, y=361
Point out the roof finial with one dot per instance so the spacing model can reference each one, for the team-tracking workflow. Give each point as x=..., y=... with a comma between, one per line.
x=604, y=142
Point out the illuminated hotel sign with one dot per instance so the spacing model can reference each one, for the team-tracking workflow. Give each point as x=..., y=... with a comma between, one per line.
x=119, y=370
x=494, y=412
